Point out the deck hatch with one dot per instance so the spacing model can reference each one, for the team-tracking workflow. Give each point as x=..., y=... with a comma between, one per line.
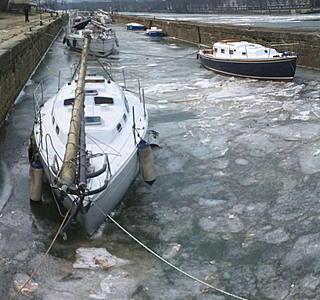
x=68, y=101
x=93, y=120
x=103, y=100
x=91, y=92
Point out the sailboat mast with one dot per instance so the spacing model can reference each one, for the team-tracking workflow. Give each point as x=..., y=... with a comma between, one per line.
x=69, y=167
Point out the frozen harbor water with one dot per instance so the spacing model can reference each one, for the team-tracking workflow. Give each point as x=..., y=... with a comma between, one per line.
x=235, y=202
x=274, y=20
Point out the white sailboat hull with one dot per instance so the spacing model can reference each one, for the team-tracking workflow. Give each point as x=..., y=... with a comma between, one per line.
x=106, y=201
x=110, y=141
x=98, y=47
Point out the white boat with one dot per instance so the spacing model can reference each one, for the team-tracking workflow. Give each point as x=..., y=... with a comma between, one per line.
x=135, y=26
x=103, y=39
x=243, y=59
x=154, y=31
x=116, y=124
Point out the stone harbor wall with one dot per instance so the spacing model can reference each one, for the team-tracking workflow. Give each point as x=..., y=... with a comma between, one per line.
x=20, y=55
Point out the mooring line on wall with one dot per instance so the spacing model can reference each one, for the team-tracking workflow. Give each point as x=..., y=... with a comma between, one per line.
x=42, y=56
x=164, y=260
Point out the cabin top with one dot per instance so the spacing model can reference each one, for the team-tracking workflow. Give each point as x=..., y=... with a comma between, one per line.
x=134, y=24
x=106, y=107
x=244, y=50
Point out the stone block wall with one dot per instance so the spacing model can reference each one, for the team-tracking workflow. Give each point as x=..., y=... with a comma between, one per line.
x=19, y=58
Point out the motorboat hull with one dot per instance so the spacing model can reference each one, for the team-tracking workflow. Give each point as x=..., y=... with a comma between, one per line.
x=155, y=34
x=135, y=27
x=269, y=69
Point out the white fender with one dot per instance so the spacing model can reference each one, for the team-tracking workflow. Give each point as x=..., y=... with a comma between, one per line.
x=148, y=168
x=36, y=174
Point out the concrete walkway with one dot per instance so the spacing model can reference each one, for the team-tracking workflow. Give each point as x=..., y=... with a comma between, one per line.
x=13, y=26
x=21, y=47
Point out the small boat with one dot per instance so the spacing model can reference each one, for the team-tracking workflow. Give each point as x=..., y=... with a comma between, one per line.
x=112, y=125
x=135, y=26
x=243, y=59
x=103, y=39
x=154, y=31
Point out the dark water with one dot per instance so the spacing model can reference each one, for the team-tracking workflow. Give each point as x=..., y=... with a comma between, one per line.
x=235, y=202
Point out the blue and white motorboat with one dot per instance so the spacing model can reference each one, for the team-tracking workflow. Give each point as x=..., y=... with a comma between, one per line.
x=135, y=26
x=154, y=31
x=243, y=59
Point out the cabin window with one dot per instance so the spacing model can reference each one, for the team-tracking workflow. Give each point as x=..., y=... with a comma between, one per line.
x=68, y=101
x=91, y=92
x=222, y=51
x=53, y=119
x=244, y=53
x=265, y=51
x=125, y=117
x=119, y=127
x=230, y=51
x=93, y=120
x=215, y=49
x=126, y=104
x=103, y=100
x=57, y=129
x=95, y=80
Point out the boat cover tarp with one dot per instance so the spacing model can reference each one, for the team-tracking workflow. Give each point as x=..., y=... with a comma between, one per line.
x=81, y=24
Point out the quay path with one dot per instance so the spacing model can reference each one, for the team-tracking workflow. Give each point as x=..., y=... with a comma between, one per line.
x=14, y=27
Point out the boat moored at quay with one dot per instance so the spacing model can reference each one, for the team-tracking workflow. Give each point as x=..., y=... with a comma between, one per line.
x=135, y=26
x=155, y=32
x=87, y=138
x=103, y=39
x=249, y=60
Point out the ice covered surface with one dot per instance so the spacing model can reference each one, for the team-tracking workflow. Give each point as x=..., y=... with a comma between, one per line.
x=92, y=258
x=248, y=154
x=236, y=201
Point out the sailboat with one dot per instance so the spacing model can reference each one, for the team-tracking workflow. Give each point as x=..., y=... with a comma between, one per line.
x=103, y=39
x=87, y=138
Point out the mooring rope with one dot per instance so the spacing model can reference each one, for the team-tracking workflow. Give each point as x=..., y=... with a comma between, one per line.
x=42, y=56
x=164, y=260
x=159, y=56
x=43, y=258
x=34, y=46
